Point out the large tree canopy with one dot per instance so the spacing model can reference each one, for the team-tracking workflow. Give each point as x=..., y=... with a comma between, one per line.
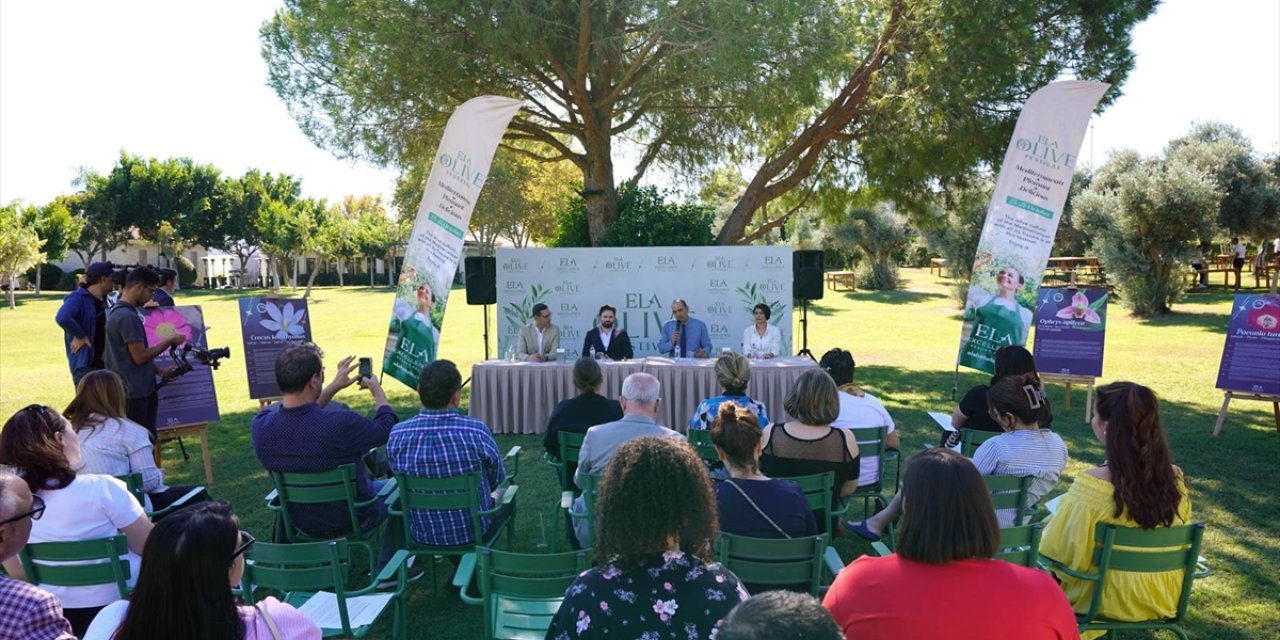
x=891, y=93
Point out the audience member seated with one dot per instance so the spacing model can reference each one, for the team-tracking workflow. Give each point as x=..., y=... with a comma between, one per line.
x=858, y=410
x=641, y=396
x=1137, y=486
x=305, y=436
x=192, y=560
x=943, y=582
x=1024, y=449
x=577, y=414
x=972, y=412
x=807, y=444
x=733, y=372
x=749, y=502
x=40, y=444
x=439, y=442
x=655, y=520
x=26, y=611
x=779, y=615
x=111, y=444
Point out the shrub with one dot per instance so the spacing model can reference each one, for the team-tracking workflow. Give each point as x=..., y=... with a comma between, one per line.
x=644, y=219
x=50, y=276
x=186, y=271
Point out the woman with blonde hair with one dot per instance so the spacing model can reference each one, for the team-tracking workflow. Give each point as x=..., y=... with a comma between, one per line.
x=111, y=444
x=733, y=372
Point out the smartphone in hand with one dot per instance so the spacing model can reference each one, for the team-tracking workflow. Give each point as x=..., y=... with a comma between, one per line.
x=366, y=367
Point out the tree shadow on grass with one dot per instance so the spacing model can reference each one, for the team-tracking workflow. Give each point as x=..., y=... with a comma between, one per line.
x=1207, y=321
x=894, y=297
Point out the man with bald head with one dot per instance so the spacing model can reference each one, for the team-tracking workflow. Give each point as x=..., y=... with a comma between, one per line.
x=27, y=612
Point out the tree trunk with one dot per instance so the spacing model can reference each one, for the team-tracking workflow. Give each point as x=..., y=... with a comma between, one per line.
x=311, y=280
x=13, y=284
x=340, y=270
x=372, y=263
x=38, y=274
x=598, y=190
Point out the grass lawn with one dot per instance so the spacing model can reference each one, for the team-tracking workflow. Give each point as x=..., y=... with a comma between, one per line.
x=905, y=344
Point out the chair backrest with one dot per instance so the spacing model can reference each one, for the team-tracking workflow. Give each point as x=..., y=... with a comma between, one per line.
x=701, y=441
x=588, y=483
x=818, y=491
x=570, y=445
x=133, y=482
x=970, y=439
x=301, y=567
x=439, y=494
x=96, y=562
x=522, y=592
x=1021, y=545
x=775, y=562
x=324, y=487
x=871, y=444
x=1010, y=492
x=1146, y=551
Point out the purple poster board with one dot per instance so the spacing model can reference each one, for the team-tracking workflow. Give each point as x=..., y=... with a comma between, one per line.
x=1251, y=356
x=1071, y=330
x=268, y=325
x=191, y=398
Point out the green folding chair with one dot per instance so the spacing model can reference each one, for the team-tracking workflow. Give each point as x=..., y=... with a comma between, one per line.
x=701, y=441
x=97, y=562
x=971, y=439
x=1021, y=545
x=1137, y=550
x=780, y=563
x=300, y=571
x=520, y=592
x=871, y=443
x=819, y=491
x=133, y=482
x=1010, y=492
x=325, y=487
x=570, y=448
x=589, y=483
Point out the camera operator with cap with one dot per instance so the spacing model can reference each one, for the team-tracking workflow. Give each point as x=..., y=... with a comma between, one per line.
x=127, y=352
x=84, y=322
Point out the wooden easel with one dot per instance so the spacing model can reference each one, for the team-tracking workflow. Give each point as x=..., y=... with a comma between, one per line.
x=201, y=429
x=1241, y=395
x=1068, y=380
x=262, y=402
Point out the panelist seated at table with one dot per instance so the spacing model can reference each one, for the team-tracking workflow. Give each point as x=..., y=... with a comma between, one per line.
x=539, y=339
x=761, y=339
x=607, y=339
x=690, y=335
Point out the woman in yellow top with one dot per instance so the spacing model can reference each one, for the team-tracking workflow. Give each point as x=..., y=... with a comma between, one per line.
x=1137, y=486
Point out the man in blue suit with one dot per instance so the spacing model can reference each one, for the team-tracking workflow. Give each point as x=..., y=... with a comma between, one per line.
x=689, y=334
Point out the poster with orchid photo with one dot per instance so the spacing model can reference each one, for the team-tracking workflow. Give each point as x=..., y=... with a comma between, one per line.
x=1251, y=354
x=1071, y=331
x=268, y=325
x=191, y=398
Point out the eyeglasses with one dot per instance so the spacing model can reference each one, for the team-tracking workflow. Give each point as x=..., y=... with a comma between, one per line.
x=37, y=510
x=244, y=546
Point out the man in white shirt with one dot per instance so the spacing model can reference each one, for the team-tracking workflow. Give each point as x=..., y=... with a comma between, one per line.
x=858, y=410
x=539, y=339
x=1238, y=250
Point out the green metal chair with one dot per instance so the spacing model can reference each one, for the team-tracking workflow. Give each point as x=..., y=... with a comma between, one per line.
x=570, y=447
x=589, y=483
x=819, y=491
x=1021, y=545
x=441, y=494
x=325, y=487
x=701, y=441
x=521, y=592
x=133, y=482
x=971, y=439
x=780, y=562
x=99, y=561
x=1136, y=550
x=298, y=571
x=1010, y=492
x=871, y=443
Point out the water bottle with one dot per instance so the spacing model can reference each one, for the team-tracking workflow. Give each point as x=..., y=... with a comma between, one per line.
x=511, y=353
x=675, y=353
x=593, y=353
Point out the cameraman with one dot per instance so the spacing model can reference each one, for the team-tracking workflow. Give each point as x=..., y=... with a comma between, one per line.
x=127, y=351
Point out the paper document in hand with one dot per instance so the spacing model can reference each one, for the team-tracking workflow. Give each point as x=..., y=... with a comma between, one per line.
x=1052, y=505
x=322, y=609
x=943, y=420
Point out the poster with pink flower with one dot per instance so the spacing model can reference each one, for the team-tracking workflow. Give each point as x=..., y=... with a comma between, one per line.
x=268, y=325
x=1251, y=356
x=1071, y=331
x=189, y=399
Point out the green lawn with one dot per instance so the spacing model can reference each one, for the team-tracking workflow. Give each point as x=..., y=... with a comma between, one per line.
x=905, y=344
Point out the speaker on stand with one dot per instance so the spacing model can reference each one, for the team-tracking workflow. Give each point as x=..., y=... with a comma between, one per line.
x=806, y=285
x=481, y=273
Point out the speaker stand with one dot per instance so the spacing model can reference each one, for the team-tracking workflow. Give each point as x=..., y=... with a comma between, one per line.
x=486, y=332
x=804, y=330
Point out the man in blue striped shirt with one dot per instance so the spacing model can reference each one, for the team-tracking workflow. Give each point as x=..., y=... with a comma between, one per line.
x=441, y=443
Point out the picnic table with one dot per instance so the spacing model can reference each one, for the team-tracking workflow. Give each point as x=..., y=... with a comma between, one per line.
x=841, y=281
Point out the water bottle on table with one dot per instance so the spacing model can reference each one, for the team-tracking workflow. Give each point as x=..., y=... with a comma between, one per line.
x=593, y=354
x=675, y=353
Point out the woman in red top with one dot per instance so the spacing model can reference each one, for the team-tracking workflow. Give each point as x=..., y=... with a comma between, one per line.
x=943, y=582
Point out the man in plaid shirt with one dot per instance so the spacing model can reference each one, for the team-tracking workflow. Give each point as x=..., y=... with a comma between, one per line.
x=441, y=443
x=27, y=612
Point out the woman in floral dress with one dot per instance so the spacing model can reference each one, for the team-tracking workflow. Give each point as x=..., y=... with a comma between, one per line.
x=656, y=519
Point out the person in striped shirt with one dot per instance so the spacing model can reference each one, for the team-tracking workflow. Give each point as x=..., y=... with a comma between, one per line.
x=1025, y=448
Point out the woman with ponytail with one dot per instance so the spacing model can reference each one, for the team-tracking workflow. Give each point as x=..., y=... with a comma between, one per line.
x=750, y=503
x=1137, y=486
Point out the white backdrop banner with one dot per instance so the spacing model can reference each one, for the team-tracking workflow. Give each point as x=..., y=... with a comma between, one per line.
x=1022, y=219
x=720, y=284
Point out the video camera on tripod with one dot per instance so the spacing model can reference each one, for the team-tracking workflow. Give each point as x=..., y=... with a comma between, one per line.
x=182, y=363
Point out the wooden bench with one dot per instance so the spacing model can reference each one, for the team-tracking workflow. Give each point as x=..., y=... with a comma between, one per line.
x=937, y=263
x=841, y=281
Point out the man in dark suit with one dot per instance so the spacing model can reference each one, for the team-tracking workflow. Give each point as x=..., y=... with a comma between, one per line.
x=612, y=341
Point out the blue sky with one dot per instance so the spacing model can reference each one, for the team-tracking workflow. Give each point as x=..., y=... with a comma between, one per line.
x=81, y=80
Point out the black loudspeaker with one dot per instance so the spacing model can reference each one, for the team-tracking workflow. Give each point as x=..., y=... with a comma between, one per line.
x=482, y=279
x=806, y=271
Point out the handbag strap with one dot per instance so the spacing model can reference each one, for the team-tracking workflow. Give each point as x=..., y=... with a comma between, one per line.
x=271, y=623
x=758, y=509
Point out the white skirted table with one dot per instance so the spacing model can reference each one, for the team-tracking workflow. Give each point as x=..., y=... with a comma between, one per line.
x=517, y=397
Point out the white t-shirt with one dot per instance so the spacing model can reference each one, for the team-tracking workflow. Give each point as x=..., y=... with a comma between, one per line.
x=92, y=506
x=1240, y=251
x=864, y=413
